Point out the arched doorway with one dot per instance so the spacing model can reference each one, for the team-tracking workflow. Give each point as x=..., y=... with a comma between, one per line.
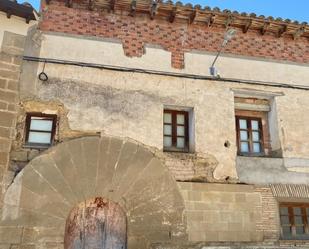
x=97, y=223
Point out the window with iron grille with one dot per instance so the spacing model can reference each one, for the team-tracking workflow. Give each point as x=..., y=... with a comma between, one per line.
x=249, y=136
x=40, y=129
x=175, y=130
x=294, y=219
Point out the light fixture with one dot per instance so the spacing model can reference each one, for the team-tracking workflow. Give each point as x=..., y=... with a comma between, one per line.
x=43, y=76
x=229, y=34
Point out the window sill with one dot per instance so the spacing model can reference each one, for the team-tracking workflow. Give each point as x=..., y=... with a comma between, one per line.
x=175, y=150
x=36, y=146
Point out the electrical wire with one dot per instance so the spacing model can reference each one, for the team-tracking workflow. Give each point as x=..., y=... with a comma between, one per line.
x=164, y=73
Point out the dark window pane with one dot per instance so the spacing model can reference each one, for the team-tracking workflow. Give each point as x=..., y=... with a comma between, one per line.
x=284, y=210
x=243, y=135
x=255, y=136
x=180, y=142
x=285, y=220
x=286, y=231
x=256, y=147
x=298, y=220
x=40, y=124
x=300, y=230
x=167, y=141
x=297, y=210
x=180, y=130
x=39, y=137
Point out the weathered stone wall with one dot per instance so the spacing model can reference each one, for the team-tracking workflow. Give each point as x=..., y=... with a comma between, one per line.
x=222, y=212
x=10, y=66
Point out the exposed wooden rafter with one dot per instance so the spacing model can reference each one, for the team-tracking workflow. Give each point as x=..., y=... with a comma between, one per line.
x=299, y=32
x=69, y=3
x=247, y=26
x=210, y=20
x=265, y=28
x=173, y=15
x=90, y=4
x=133, y=8
x=112, y=5
x=47, y=1
x=8, y=13
x=153, y=9
x=192, y=16
x=229, y=21
x=282, y=30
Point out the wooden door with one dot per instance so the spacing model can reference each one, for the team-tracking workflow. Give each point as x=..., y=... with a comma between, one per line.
x=96, y=224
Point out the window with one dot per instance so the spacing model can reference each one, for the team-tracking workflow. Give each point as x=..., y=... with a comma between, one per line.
x=40, y=129
x=294, y=219
x=249, y=135
x=175, y=130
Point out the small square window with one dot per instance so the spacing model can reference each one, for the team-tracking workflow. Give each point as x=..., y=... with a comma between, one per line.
x=40, y=129
x=249, y=135
x=175, y=130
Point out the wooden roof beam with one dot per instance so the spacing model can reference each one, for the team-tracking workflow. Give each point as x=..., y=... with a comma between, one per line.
x=112, y=5
x=133, y=8
x=210, y=20
x=229, y=21
x=173, y=15
x=282, y=30
x=153, y=9
x=299, y=32
x=192, y=16
x=247, y=26
x=8, y=13
x=69, y=3
x=264, y=28
x=90, y=4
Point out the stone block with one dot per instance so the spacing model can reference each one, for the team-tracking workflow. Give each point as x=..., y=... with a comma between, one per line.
x=9, y=74
x=19, y=156
x=10, y=234
x=12, y=85
x=4, y=57
x=42, y=234
x=228, y=236
x=10, y=97
x=195, y=216
x=240, y=197
x=4, y=158
x=5, y=145
x=3, y=106
x=7, y=119
x=3, y=83
x=194, y=196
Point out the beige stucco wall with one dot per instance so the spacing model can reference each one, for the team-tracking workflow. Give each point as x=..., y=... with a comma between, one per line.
x=131, y=105
x=14, y=24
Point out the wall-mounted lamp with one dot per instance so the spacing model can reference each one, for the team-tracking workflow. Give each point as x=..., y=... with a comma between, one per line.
x=229, y=34
x=43, y=76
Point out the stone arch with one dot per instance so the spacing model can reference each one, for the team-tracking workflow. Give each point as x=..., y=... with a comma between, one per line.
x=123, y=171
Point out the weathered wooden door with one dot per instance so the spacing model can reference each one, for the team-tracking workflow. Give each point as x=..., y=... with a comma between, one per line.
x=96, y=224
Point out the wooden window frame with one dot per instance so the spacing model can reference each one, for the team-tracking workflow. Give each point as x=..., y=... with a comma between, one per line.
x=250, y=140
x=51, y=117
x=291, y=217
x=174, y=136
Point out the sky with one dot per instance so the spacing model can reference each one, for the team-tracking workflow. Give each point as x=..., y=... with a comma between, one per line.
x=291, y=9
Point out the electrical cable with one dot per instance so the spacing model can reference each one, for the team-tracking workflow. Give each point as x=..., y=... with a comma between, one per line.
x=164, y=73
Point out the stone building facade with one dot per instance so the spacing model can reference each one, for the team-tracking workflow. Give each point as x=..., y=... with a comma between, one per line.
x=111, y=124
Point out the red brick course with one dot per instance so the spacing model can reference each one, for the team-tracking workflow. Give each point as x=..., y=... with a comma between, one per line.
x=177, y=37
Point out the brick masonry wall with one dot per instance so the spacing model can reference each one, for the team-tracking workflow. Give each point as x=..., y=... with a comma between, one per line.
x=10, y=62
x=177, y=37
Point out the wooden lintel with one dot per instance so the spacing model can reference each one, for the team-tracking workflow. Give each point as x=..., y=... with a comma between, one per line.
x=247, y=26
x=299, y=32
x=282, y=30
x=229, y=21
x=265, y=28
x=90, y=4
x=133, y=8
x=192, y=16
x=69, y=3
x=173, y=15
x=153, y=9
